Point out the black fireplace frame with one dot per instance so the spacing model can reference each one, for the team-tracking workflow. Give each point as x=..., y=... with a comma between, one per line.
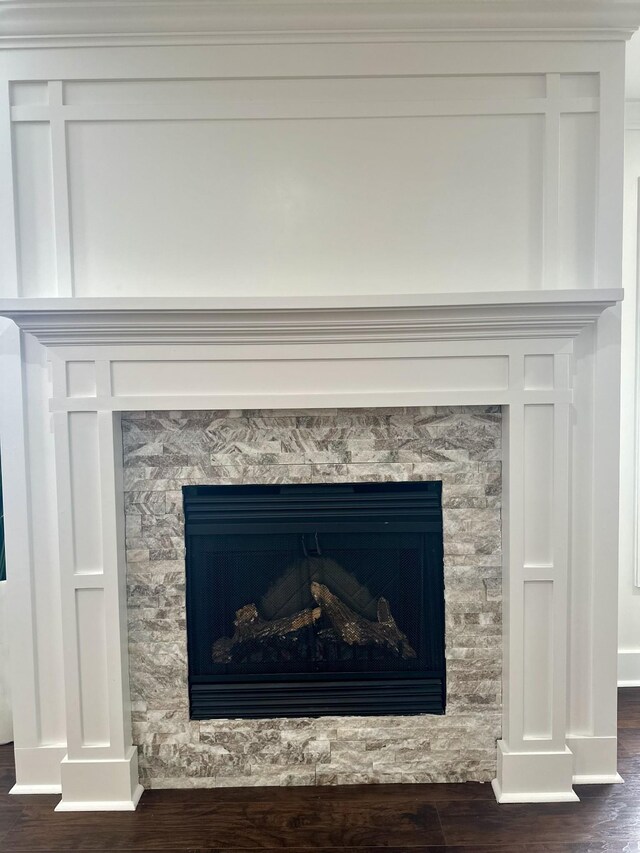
x=414, y=506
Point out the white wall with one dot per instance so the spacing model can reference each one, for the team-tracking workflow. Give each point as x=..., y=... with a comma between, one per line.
x=629, y=591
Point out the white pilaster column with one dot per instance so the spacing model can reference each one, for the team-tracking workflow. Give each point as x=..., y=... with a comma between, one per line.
x=534, y=763
x=37, y=758
x=593, y=706
x=100, y=771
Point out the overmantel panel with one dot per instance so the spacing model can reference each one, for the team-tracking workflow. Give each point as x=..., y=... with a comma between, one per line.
x=509, y=95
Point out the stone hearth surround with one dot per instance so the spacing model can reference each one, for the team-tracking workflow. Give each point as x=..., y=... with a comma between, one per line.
x=164, y=451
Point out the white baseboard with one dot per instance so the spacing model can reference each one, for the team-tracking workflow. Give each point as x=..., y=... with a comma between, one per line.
x=102, y=805
x=545, y=797
x=604, y=779
x=36, y=789
x=629, y=668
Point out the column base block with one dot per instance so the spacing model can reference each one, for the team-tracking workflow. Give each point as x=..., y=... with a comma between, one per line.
x=19, y=790
x=100, y=785
x=595, y=760
x=534, y=777
x=38, y=769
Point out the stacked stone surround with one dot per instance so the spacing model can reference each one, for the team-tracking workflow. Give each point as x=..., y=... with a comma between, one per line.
x=164, y=451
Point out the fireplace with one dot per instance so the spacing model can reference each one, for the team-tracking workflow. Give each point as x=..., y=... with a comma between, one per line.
x=403, y=464
x=311, y=600
x=150, y=398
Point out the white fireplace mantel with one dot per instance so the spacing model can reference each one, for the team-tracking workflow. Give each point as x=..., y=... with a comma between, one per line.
x=551, y=359
x=212, y=21
x=435, y=316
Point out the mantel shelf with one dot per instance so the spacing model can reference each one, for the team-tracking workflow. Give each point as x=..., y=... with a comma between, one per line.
x=450, y=316
x=110, y=22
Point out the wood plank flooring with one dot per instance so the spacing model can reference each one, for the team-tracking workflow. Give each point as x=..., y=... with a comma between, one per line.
x=353, y=819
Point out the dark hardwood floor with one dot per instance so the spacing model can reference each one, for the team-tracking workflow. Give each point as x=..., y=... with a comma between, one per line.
x=390, y=818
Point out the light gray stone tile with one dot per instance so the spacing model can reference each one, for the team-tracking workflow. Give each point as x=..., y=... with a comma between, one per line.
x=368, y=776
x=366, y=472
x=277, y=474
x=145, y=503
x=459, y=446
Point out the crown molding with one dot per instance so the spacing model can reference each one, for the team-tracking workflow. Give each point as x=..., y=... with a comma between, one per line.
x=47, y=23
x=447, y=317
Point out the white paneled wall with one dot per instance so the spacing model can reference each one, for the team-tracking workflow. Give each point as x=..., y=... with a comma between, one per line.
x=330, y=169
x=346, y=148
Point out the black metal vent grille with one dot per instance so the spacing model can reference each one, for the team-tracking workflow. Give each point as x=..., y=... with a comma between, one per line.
x=255, y=555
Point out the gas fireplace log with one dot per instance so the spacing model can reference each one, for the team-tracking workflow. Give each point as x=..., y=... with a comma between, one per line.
x=250, y=626
x=356, y=630
x=347, y=626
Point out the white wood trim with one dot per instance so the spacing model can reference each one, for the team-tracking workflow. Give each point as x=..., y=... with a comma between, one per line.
x=208, y=21
x=636, y=403
x=561, y=543
x=102, y=805
x=605, y=528
x=38, y=766
x=547, y=797
x=296, y=109
x=296, y=61
x=9, y=266
x=595, y=779
x=113, y=578
x=610, y=176
x=61, y=213
x=521, y=315
x=21, y=790
x=67, y=582
x=551, y=183
x=308, y=400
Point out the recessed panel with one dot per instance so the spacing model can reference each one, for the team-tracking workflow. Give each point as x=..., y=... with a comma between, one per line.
x=579, y=85
x=577, y=196
x=92, y=654
x=538, y=484
x=34, y=208
x=310, y=89
x=136, y=378
x=29, y=92
x=81, y=379
x=538, y=659
x=85, y=491
x=538, y=372
x=306, y=206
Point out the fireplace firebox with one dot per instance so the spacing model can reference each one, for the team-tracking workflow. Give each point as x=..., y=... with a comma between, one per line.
x=312, y=600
